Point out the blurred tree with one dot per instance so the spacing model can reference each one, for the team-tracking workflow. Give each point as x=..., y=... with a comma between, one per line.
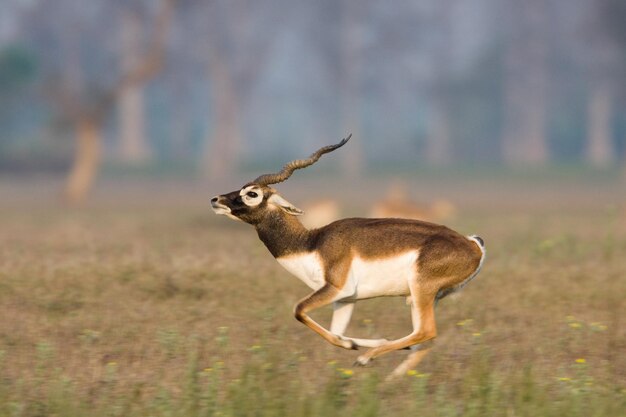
x=438, y=140
x=526, y=81
x=600, y=151
x=405, y=80
x=349, y=82
x=238, y=38
x=609, y=33
x=601, y=61
x=18, y=70
x=81, y=85
x=133, y=144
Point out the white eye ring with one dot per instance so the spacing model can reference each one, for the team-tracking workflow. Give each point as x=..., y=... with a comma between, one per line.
x=248, y=199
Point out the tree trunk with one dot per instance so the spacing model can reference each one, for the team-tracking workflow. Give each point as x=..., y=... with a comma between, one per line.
x=133, y=146
x=438, y=141
x=222, y=155
x=353, y=158
x=526, y=82
x=87, y=156
x=181, y=130
x=600, y=150
x=438, y=150
x=353, y=161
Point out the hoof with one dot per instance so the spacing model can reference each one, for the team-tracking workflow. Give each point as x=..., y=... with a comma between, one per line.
x=348, y=344
x=362, y=361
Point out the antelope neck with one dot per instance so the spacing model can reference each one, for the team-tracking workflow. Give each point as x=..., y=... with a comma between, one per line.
x=283, y=234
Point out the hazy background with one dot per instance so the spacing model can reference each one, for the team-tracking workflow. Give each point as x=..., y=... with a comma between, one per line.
x=504, y=118
x=199, y=90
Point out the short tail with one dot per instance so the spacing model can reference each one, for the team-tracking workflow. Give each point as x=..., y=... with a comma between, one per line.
x=481, y=245
x=478, y=240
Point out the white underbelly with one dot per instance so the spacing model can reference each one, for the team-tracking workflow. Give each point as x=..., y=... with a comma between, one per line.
x=384, y=277
x=367, y=278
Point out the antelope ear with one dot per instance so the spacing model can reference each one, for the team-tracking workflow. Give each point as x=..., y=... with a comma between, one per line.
x=284, y=205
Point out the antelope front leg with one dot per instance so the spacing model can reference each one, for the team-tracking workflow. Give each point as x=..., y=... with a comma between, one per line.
x=324, y=296
x=342, y=313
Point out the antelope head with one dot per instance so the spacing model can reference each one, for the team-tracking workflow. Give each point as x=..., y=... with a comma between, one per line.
x=256, y=199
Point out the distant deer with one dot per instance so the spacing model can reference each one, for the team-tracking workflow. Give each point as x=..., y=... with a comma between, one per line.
x=319, y=213
x=355, y=259
x=399, y=204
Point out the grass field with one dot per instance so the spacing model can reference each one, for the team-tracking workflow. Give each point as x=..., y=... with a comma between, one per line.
x=147, y=304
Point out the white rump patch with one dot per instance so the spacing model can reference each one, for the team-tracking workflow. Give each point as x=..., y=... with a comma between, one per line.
x=482, y=258
x=480, y=264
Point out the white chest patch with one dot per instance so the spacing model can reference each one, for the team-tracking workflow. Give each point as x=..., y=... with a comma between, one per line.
x=306, y=267
x=366, y=278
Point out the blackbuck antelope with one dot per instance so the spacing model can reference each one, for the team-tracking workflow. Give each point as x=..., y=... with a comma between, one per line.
x=355, y=259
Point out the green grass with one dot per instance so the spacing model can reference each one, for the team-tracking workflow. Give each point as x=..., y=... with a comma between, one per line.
x=156, y=307
x=269, y=386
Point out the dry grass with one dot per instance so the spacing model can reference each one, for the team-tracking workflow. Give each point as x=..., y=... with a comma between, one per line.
x=137, y=301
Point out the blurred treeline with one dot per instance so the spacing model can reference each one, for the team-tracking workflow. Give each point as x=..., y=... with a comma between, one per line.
x=211, y=86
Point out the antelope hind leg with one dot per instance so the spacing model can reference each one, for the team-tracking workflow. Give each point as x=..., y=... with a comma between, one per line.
x=410, y=362
x=424, y=327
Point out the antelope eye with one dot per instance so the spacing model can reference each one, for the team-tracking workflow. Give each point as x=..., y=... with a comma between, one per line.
x=252, y=194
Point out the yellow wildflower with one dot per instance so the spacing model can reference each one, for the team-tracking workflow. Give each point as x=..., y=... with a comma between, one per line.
x=598, y=326
x=477, y=334
x=575, y=325
x=580, y=360
x=411, y=372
